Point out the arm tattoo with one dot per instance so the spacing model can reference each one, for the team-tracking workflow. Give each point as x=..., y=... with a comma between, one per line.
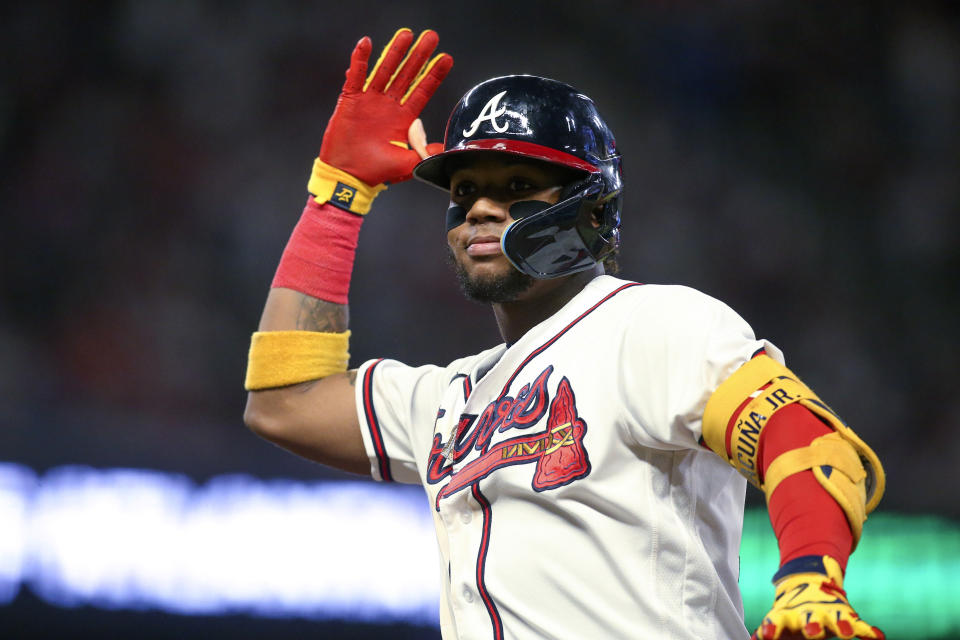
x=320, y=315
x=352, y=377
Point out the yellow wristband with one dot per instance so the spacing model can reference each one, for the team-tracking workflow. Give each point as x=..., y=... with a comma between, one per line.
x=339, y=188
x=281, y=358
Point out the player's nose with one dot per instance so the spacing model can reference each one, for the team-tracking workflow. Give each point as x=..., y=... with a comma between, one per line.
x=487, y=209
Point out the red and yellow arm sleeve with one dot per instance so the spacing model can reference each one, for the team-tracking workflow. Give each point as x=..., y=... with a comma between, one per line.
x=820, y=479
x=767, y=424
x=805, y=517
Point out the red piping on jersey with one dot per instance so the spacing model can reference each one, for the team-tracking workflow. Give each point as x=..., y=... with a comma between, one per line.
x=549, y=342
x=482, y=500
x=374, y=425
x=467, y=388
x=481, y=564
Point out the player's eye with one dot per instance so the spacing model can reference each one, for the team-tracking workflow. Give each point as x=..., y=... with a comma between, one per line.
x=521, y=184
x=463, y=189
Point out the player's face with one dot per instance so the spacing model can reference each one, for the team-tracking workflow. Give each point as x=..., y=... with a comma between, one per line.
x=485, y=188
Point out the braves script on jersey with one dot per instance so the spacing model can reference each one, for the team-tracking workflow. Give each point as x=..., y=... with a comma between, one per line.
x=570, y=495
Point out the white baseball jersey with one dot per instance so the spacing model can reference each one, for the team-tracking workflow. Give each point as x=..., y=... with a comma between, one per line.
x=569, y=491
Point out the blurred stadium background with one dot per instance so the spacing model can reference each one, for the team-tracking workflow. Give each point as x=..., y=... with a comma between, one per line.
x=797, y=160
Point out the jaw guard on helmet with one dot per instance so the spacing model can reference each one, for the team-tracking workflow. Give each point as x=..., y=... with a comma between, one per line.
x=546, y=120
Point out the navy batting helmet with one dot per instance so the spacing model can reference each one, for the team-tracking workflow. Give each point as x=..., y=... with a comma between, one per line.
x=551, y=121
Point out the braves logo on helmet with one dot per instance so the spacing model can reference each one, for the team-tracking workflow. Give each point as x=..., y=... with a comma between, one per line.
x=489, y=112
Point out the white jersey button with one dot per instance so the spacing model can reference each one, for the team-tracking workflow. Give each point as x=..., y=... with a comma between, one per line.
x=467, y=594
x=466, y=517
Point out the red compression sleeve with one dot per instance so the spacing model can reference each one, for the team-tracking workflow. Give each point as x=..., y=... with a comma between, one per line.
x=805, y=518
x=319, y=256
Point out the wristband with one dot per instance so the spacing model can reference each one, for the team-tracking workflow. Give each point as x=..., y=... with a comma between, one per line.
x=281, y=358
x=803, y=564
x=339, y=188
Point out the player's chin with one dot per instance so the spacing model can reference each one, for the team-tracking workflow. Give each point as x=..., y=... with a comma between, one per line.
x=487, y=267
x=491, y=279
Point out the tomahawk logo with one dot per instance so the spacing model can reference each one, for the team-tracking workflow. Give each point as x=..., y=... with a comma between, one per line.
x=557, y=453
x=489, y=112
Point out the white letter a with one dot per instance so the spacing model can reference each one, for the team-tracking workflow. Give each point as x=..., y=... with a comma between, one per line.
x=489, y=112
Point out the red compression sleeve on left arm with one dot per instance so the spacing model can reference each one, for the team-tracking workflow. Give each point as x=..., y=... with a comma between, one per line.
x=318, y=259
x=805, y=518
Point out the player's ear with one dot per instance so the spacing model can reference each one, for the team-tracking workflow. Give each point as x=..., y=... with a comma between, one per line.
x=596, y=216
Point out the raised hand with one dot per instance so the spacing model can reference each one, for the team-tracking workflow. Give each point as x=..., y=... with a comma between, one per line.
x=369, y=134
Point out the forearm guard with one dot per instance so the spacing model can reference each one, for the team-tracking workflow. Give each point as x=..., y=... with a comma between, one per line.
x=841, y=461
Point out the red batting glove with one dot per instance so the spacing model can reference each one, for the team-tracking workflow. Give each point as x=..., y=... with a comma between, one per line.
x=367, y=136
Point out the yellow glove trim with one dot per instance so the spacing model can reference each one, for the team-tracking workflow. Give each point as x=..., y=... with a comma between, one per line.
x=339, y=188
x=281, y=358
x=406, y=58
x=785, y=388
x=845, y=481
x=420, y=76
x=383, y=54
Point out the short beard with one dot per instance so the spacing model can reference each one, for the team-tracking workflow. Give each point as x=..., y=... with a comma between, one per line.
x=497, y=289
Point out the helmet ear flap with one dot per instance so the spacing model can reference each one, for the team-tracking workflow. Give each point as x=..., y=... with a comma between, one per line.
x=577, y=186
x=527, y=208
x=597, y=214
x=551, y=240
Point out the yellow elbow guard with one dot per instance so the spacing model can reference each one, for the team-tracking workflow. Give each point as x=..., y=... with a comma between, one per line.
x=281, y=358
x=842, y=462
x=838, y=469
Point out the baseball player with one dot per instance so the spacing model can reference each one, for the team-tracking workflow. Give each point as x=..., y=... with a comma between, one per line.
x=587, y=476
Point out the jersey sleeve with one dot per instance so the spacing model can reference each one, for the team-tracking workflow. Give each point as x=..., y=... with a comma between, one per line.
x=678, y=346
x=396, y=407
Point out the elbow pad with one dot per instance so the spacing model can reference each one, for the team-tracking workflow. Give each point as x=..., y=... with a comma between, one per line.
x=841, y=461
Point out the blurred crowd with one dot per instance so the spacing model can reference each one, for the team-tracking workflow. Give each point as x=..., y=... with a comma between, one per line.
x=797, y=160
